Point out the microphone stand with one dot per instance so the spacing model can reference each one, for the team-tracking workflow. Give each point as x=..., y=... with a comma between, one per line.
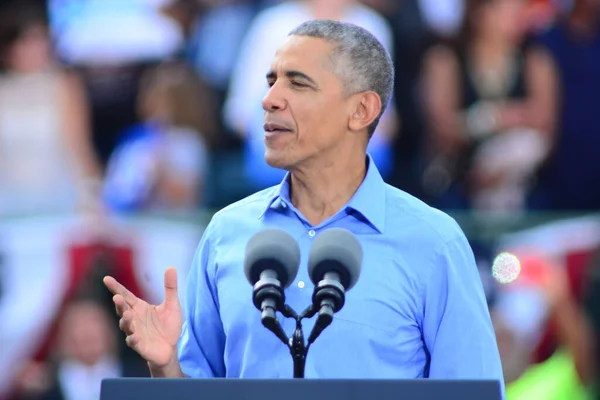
x=330, y=300
x=296, y=344
x=298, y=349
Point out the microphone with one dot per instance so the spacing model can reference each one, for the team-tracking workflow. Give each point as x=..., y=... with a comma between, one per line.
x=334, y=267
x=271, y=263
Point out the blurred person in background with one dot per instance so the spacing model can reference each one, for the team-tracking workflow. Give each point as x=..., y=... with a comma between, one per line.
x=441, y=18
x=414, y=24
x=47, y=163
x=112, y=43
x=221, y=29
x=571, y=175
x=85, y=352
x=184, y=12
x=242, y=111
x=520, y=313
x=160, y=164
x=490, y=103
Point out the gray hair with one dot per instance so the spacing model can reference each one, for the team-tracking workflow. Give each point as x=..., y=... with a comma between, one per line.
x=359, y=59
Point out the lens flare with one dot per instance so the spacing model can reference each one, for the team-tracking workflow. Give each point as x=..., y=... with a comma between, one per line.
x=506, y=268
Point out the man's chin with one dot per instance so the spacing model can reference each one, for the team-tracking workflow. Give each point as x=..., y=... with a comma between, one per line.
x=276, y=160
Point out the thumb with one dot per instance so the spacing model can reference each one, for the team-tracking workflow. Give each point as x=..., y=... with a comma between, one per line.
x=171, y=297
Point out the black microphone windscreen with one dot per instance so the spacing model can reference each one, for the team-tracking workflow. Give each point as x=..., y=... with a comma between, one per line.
x=335, y=250
x=273, y=249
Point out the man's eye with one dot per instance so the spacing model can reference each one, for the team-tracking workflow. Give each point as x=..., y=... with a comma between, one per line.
x=298, y=84
x=270, y=84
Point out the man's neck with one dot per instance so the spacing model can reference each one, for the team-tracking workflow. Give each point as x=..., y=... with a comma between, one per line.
x=319, y=191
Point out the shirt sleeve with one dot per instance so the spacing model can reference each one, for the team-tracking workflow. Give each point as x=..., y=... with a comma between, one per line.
x=202, y=343
x=457, y=327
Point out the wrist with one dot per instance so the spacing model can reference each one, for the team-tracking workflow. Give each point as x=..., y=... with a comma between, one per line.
x=171, y=369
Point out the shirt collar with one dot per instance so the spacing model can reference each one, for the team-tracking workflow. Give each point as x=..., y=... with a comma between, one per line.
x=369, y=200
x=279, y=197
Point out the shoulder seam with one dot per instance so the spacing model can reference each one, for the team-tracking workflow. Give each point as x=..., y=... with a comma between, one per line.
x=242, y=203
x=423, y=220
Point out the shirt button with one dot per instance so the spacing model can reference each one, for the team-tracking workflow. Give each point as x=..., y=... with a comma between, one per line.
x=311, y=233
x=283, y=205
x=301, y=284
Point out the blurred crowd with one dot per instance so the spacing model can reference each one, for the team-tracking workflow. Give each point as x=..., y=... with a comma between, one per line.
x=117, y=107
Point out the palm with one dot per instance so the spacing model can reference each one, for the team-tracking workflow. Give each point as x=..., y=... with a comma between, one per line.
x=152, y=331
x=159, y=328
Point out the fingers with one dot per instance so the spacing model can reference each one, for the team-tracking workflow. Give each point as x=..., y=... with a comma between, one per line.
x=124, y=302
x=132, y=341
x=171, y=286
x=120, y=304
x=117, y=289
x=126, y=323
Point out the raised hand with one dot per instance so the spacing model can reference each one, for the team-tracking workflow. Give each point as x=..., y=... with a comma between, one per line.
x=152, y=331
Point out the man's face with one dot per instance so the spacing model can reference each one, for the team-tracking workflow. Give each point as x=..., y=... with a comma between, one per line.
x=306, y=108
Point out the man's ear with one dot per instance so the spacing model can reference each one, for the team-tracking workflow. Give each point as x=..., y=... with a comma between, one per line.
x=366, y=110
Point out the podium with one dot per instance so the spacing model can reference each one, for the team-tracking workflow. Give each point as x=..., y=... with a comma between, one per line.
x=297, y=389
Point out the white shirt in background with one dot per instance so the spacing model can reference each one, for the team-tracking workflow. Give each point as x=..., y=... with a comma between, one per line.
x=444, y=17
x=82, y=382
x=107, y=32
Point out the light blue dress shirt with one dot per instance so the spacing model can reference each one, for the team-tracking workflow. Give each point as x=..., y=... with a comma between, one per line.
x=418, y=309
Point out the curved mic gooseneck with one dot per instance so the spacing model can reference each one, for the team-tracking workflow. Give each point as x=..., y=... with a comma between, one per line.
x=329, y=296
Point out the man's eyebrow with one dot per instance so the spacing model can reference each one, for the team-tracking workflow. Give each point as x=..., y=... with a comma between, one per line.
x=301, y=75
x=272, y=75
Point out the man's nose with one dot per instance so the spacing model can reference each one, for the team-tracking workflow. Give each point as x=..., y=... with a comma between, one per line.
x=273, y=100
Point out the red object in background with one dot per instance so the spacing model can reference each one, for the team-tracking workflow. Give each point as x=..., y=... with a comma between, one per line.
x=576, y=264
x=536, y=269
x=540, y=13
x=83, y=255
x=82, y=259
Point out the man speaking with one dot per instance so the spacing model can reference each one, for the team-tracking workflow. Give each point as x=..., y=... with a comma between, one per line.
x=418, y=309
